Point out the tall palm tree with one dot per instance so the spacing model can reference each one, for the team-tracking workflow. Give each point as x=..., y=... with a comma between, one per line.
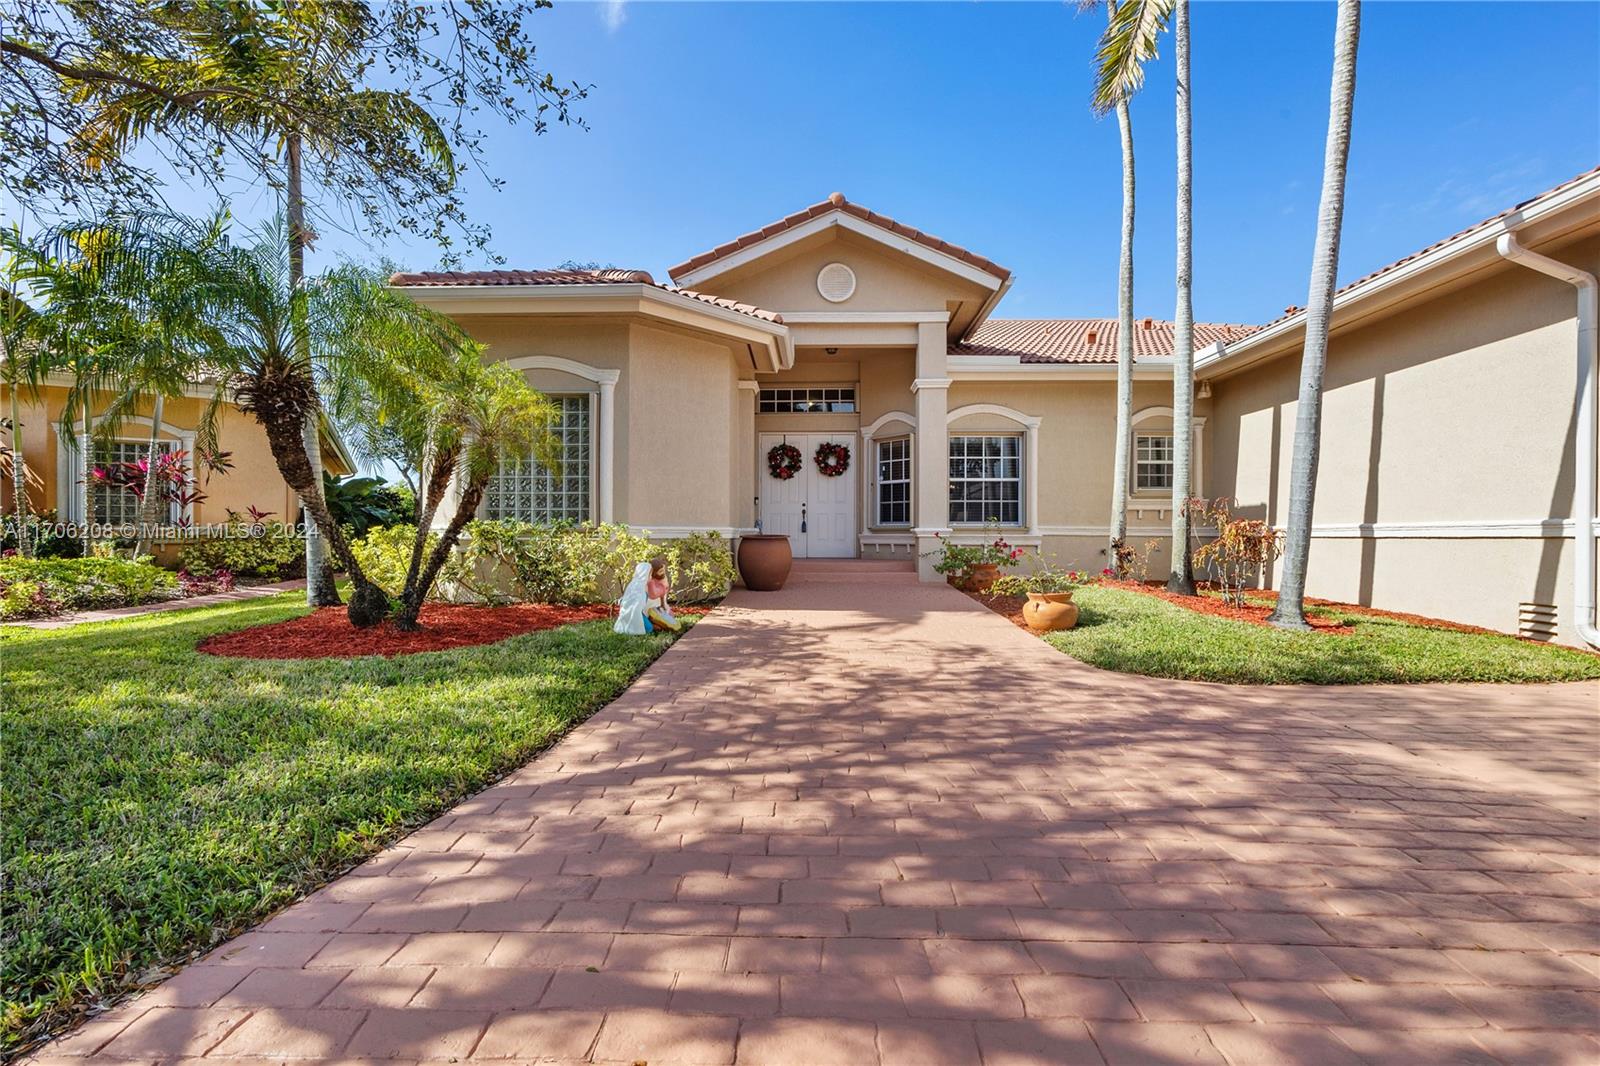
x=1118, y=538
x=1290, y=611
x=251, y=67
x=1130, y=41
x=1181, y=577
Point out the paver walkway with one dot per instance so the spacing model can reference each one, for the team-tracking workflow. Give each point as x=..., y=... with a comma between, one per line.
x=865, y=820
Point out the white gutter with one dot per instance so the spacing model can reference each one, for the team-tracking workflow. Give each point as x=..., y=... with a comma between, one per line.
x=1584, y=458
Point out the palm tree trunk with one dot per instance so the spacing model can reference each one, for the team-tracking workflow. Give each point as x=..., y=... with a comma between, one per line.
x=438, y=468
x=1181, y=577
x=85, y=462
x=417, y=592
x=1119, y=468
x=19, y=476
x=150, y=507
x=320, y=588
x=1290, y=612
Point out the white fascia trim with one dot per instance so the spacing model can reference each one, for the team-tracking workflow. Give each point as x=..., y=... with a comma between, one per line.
x=988, y=306
x=194, y=390
x=748, y=385
x=1220, y=356
x=598, y=375
x=918, y=384
x=848, y=318
x=840, y=219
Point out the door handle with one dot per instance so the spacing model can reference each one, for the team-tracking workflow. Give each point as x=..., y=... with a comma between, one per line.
x=802, y=518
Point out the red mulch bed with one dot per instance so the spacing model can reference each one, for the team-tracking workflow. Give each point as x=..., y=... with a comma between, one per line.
x=1256, y=614
x=327, y=633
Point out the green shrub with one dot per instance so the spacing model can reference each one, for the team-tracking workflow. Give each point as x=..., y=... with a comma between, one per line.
x=385, y=555
x=566, y=563
x=46, y=536
x=31, y=587
x=276, y=555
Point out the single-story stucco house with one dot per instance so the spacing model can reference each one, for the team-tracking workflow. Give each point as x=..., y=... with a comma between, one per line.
x=52, y=461
x=1449, y=441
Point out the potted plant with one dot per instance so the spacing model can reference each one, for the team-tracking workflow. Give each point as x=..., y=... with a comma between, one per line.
x=975, y=567
x=1049, y=590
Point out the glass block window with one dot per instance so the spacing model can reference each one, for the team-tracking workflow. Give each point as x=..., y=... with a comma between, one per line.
x=526, y=490
x=986, y=480
x=822, y=400
x=894, y=482
x=1152, y=462
x=115, y=506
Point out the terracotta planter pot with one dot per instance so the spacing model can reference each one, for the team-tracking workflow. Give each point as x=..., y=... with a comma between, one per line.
x=1048, y=611
x=981, y=576
x=764, y=561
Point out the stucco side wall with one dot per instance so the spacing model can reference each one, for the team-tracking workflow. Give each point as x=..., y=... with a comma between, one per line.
x=682, y=431
x=1457, y=412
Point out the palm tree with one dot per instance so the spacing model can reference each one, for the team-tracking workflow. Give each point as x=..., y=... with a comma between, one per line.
x=1119, y=479
x=251, y=67
x=273, y=339
x=1181, y=577
x=1290, y=611
x=1130, y=41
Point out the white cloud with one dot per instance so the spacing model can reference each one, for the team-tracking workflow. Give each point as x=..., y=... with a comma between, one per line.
x=613, y=13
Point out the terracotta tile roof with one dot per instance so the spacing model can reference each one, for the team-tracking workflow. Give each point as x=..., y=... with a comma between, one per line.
x=1084, y=340
x=1290, y=312
x=449, y=278
x=837, y=202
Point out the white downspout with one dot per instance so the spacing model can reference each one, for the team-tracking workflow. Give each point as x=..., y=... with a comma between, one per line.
x=1583, y=498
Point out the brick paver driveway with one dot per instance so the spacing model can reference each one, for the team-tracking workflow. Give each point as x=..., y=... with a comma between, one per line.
x=864, y=820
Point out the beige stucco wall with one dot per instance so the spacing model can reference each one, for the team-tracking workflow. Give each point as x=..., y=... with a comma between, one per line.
x=1457, y=410
x=676, y=431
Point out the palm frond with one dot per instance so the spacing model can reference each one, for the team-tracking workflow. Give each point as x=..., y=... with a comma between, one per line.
x=1130, y=41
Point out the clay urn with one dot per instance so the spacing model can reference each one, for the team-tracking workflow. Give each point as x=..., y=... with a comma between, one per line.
x=764, y=561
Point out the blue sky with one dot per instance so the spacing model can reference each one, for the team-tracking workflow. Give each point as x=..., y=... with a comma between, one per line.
x=970, y=120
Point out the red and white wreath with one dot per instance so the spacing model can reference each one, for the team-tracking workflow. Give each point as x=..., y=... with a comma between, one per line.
x=832, y=459
x=783, y=461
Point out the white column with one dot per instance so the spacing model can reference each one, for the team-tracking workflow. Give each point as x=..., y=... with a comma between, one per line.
x=608, y=445
x=931, y=463
x=744, y=439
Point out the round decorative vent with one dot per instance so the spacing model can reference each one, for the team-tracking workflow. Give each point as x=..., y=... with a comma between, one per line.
x=836, y=282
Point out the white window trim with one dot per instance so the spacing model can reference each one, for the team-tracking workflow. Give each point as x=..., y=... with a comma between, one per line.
x=909, y=482
x=69, y=500
x=1030, y=458
x=1161, y=499
x=603, y=432
x=869, y=434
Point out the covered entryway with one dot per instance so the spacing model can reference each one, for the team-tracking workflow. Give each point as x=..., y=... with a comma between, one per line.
x=815, y=511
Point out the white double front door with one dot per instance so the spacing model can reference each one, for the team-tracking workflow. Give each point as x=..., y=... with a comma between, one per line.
x=817, y=512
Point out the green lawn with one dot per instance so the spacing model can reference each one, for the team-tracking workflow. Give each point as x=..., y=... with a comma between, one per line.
x=1138, y=634
x=157, y=800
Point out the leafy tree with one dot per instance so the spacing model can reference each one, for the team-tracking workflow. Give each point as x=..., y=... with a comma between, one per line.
x=360, y=504
x=1290, y=611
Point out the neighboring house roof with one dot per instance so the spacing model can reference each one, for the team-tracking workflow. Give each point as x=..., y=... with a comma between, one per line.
x=455, y=278
x=1084, y=340
x=837, y=202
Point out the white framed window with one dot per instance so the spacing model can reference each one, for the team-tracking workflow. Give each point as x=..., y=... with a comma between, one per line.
x=116, y=506
x=526, y=490
x=986, y=480
x=1152, y=462
x=894, y=482
x=825, y=399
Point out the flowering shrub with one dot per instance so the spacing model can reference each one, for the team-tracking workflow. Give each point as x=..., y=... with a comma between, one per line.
x=1243, y=546
x=36, y=587
x=1043, y=578
x=172, y=482
x=961, y=558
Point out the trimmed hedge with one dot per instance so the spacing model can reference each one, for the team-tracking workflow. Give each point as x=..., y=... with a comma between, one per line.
x=276, y=555
x=33, y=588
